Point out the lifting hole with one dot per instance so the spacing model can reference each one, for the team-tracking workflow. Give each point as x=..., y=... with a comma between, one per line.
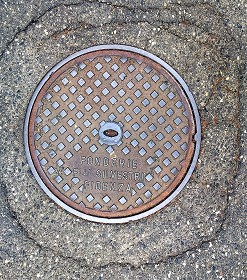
x=110, y=133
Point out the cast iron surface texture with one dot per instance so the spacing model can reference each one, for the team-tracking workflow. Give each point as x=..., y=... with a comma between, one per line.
x=110, y=133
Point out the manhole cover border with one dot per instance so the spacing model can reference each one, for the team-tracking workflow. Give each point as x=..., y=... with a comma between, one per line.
x=197, y=136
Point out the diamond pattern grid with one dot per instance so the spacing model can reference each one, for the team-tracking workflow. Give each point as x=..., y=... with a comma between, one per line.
x=147, y=100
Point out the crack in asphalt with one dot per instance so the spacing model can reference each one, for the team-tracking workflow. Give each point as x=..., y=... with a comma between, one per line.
x=138, y=8
x=35, y=19
x=13, y=216
x=242, y=70
x=42, y=248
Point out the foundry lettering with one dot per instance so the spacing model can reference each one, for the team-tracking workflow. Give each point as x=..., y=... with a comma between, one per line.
x=109, y=162
x=83, y=171
x=106, y=186
x=120, y=175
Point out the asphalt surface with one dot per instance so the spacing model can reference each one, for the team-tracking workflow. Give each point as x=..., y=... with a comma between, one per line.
x=200, y=235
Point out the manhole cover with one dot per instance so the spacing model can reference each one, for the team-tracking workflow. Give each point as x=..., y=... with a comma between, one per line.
x=112, y=133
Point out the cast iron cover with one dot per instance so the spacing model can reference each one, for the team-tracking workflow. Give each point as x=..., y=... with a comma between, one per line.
x=112, y=133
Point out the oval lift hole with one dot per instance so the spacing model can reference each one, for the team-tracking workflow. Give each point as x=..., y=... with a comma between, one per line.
x=110, y=133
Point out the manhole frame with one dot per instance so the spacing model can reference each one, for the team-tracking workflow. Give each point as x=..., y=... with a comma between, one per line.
x=197, y=136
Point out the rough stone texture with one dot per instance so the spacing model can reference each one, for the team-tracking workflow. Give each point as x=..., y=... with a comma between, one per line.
x=202, y=234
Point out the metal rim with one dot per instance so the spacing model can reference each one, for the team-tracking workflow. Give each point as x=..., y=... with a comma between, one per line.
x=197, y=136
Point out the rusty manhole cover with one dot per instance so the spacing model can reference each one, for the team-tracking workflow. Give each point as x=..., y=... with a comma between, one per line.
x=112, y=133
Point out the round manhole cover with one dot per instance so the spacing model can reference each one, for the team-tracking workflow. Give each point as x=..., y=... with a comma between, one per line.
x=112, y=133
